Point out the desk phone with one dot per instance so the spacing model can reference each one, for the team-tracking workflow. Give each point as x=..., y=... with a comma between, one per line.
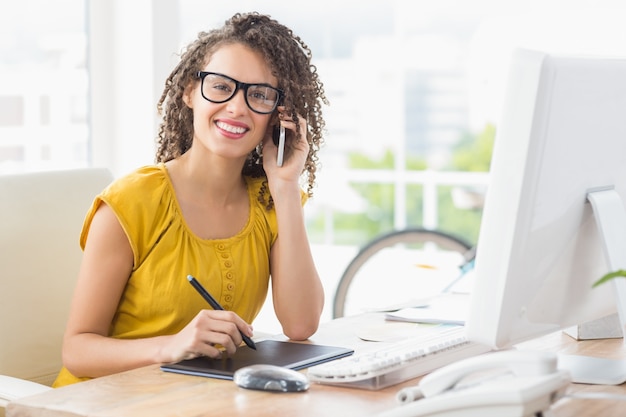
x=499, y=384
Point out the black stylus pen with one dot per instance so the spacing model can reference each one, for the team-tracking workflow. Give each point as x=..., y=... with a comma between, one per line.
x=216, y=306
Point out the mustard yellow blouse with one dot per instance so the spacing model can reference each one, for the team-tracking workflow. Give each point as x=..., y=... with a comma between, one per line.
x=158, y=298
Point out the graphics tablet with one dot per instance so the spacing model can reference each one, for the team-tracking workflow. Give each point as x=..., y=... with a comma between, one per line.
x=287, y=354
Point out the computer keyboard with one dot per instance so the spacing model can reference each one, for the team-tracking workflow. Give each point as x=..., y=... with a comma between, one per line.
x=398, y=362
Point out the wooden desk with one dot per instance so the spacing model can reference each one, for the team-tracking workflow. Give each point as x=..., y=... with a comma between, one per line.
x=150, y=392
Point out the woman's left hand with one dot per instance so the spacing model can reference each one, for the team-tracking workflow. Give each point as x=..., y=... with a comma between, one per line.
x=295, y=154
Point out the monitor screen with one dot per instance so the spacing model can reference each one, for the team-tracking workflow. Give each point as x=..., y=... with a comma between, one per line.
x=562, y=135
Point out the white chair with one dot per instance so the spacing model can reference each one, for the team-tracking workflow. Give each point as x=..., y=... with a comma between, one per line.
x=41, y=215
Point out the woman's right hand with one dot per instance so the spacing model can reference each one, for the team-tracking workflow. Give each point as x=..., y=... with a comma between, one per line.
x=210, y=333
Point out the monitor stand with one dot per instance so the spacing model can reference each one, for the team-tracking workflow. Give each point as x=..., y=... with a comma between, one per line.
x=610, y=217
x=603, y=328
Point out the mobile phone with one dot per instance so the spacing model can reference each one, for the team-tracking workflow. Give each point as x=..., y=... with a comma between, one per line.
x=279, y=140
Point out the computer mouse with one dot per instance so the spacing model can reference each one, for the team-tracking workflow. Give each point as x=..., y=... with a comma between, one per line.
x=271, y=378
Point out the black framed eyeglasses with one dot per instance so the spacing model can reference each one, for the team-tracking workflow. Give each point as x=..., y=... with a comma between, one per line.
x=219, y=88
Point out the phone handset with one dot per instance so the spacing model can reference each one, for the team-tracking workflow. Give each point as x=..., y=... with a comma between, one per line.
x=520, y=363
x=530, y=384
x=278, y=136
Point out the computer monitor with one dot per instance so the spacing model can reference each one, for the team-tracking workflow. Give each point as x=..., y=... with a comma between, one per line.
x=562, y=136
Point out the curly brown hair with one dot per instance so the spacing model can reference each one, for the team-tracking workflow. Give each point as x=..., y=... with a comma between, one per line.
x=290, y=61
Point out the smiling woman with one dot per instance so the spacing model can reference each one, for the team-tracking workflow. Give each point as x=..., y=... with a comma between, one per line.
x=212, y=206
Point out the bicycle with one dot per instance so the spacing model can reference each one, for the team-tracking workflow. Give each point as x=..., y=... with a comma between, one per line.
x=393, y=249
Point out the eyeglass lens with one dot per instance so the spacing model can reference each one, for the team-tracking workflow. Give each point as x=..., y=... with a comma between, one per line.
x=260, y=98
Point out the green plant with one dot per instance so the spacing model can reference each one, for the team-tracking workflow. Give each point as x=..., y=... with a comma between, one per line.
x=611, y=275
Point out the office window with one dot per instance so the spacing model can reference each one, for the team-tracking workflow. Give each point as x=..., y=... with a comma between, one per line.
x=415, y=64
x=402, y=159
x=419, y=155
x=44, y=86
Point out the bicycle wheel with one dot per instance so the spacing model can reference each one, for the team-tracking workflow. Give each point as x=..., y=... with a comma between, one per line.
x=397, y=267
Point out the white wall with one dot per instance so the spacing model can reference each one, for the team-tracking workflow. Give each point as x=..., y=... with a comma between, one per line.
x=128, y=64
